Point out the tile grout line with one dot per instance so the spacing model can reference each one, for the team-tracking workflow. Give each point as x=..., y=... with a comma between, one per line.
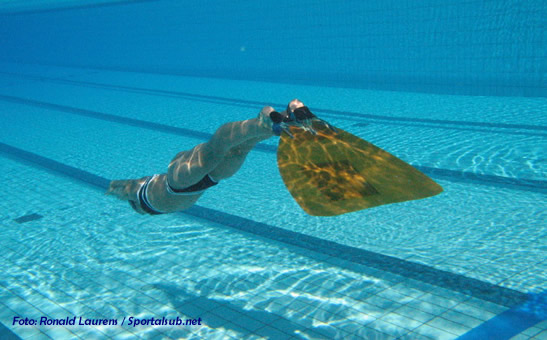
x=459, y=283
x=212, y=311
x=77, y=285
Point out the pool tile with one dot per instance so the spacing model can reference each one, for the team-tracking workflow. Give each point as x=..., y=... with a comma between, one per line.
x=438, y=300
x=25, y=332
x=371, y=333
x=448, y=326
x=401, y=321
x=414, y=336
x=426, y=307
x=212, y=320
x=207, y=305
x=20, y=307
x=405, y=289
x=450, y=294
x=485, y=305
x=176, y=333
x=249, y=323
x=385, y=304
x=90, y=332
x=318, y=333
x=470, y=311
x=394, y=295
x=542, y=325
x=226, y=312
x=298, y=305
x=368, y=309
x=272, y=333
x=58, y=332
x=350, y=326
x=530, y=332
x=191, y=310
x=388, y=328
x=414, y=314
x=520, y=337
x=533, y=331
x=462, y=319
x=38, y=336
x=323, y=316
x=541, y=336
x=434, y=333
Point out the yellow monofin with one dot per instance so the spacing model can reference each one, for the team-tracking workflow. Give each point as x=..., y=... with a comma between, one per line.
x=331, y=173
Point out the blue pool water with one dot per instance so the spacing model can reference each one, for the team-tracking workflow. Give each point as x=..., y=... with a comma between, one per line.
x=246, y=260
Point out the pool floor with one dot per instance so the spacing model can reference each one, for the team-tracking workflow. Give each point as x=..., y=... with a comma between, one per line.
x=71, y=251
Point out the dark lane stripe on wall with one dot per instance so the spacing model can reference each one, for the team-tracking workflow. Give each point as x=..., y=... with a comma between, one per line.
x=260, y=104
x=123, y=120
x=447, y=174
x=459, y=283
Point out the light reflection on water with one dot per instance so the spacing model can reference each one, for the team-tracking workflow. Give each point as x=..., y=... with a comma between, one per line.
x=184, y=270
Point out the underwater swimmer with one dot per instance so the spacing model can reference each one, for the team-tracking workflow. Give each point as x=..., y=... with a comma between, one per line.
x=191, y=172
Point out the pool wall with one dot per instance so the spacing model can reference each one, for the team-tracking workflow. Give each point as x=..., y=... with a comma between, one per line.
x=463, y=47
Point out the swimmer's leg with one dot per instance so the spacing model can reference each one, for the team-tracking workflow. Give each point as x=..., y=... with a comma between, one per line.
x=233, y=160
x=189, y=167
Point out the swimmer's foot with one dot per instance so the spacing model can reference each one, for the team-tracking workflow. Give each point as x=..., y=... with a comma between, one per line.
x=277, y=122
x=300, y=115
x=127, y=190
x=272, y=121
x=264, y=120
x=296, y=114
